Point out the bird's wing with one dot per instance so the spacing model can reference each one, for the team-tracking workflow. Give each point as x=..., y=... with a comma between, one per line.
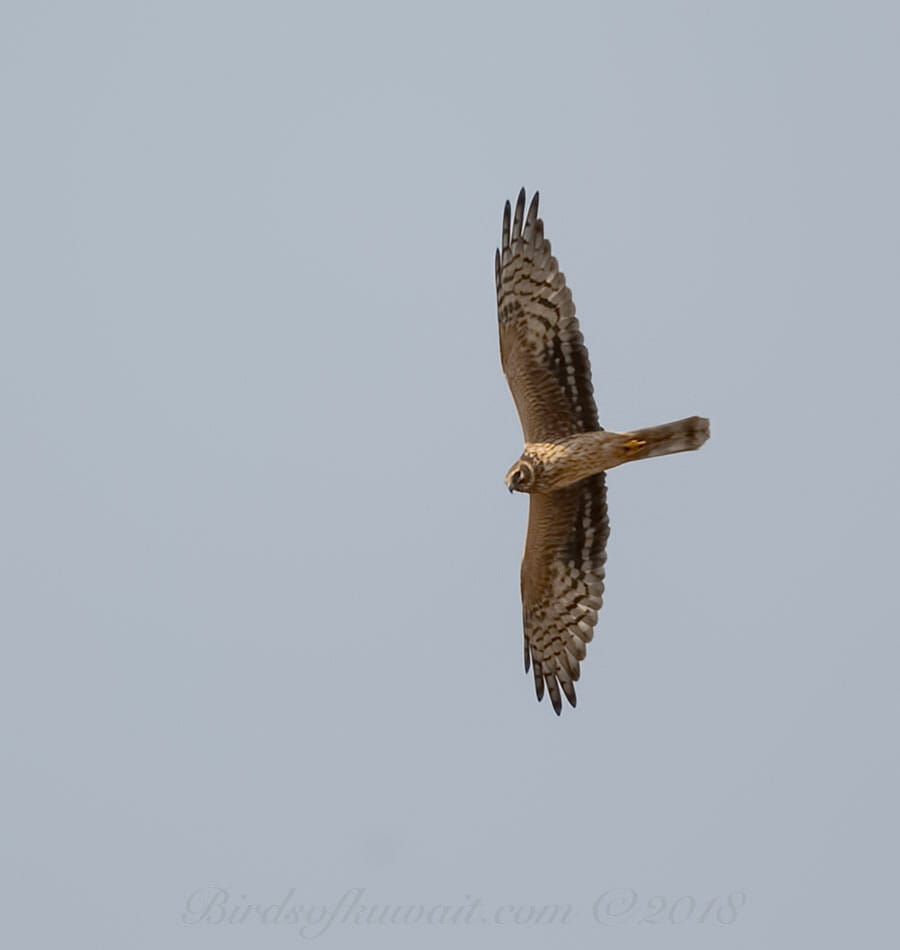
x=562, y=582
x=541, y=347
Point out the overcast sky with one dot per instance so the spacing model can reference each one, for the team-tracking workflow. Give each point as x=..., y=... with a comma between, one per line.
x=261, y=607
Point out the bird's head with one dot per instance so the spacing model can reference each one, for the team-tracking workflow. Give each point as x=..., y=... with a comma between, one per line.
x=521, y=476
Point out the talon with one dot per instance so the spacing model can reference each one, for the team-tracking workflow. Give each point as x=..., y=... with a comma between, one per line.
x=633, y=444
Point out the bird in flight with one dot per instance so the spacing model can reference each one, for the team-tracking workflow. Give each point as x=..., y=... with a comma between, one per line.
x=566, y=453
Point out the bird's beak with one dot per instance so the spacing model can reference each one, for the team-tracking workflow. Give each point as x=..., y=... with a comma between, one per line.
x=510, y=489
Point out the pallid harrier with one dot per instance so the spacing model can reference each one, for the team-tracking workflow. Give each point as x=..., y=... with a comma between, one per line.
x=566, y=453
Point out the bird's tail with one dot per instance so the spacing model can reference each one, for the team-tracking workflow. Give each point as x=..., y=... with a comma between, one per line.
x=681, y=436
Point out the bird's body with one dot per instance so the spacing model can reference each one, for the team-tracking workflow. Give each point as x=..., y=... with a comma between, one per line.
x=566, y=461
x=566, y=453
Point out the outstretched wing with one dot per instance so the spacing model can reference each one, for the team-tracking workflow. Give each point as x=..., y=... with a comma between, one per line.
x=562, y=582
x=541, y=347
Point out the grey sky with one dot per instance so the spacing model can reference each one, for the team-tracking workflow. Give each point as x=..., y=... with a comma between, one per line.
x=261, y=614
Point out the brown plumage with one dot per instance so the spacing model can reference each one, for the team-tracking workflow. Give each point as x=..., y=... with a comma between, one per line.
x=566, y=453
